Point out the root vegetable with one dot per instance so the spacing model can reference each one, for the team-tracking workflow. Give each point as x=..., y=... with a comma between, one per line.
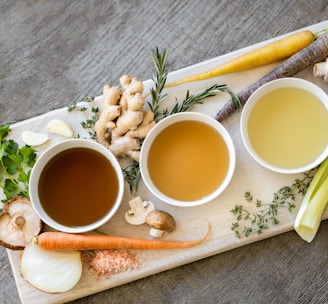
x=123, y=122
x=321, y=69
x=272, y=52
x=315, y=52
x=66, y=241
x=50, y=271
x=19, y=223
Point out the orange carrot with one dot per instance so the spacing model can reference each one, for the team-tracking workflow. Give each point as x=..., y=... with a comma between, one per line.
x=272, y=52
x=313, y=53
x=69, y=241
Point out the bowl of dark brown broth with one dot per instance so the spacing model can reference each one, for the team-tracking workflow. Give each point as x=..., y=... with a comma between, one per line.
x=76, y=186
x=187, y=159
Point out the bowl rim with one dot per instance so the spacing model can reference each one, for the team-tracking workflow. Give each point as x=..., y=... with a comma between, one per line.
x=185, y=116
x=48, y=154
x=262, y=91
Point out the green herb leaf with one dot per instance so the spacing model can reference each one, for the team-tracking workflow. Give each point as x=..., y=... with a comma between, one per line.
x=266, y=214
x=15, y=165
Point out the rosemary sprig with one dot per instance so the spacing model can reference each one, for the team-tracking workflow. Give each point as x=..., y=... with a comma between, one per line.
x=132, y=175
x=267, y=213
x=160, y=75
x=191, y=100
x=159, y=79
x=89, y=121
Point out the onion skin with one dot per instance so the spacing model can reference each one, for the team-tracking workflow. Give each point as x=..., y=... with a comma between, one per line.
x=50, y=271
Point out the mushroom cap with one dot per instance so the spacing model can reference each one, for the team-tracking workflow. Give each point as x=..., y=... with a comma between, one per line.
x=19, y=223
x=160, y=220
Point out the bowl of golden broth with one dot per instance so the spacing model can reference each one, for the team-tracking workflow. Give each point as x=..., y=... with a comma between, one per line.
x=76, y=185
x=284, y=125
x=187, y=159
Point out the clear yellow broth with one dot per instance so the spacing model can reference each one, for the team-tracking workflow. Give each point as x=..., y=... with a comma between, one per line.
x=188, y=160
x=288, y=127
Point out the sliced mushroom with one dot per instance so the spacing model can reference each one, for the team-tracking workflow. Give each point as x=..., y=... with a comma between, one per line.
x=19, y=223
x=159, y=221
x=138, y=211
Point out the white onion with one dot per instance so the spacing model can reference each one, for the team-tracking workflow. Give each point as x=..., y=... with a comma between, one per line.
x=49, y=270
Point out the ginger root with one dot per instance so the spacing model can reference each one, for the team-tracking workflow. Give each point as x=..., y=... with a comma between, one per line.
x=321, y=69
x=123, y=122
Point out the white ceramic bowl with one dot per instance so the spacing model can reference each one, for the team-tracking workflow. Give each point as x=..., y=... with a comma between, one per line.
x=168, y=121
x=277, y=115
x=44, y=159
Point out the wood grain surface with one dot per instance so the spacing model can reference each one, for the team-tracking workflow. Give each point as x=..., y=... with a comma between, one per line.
x=54, y=52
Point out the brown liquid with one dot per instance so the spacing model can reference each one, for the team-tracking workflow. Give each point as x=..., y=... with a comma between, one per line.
x=188, y=160
x=78, y=187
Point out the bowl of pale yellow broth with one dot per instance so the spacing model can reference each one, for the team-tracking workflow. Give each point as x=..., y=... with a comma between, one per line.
x=284, y=125
x=76, y=186
x=187, y=159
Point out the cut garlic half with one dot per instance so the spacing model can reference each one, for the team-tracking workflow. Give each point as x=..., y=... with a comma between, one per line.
x=60, y=127
x=31, y=138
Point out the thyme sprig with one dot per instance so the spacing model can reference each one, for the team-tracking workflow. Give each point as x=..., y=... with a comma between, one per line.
x=266, y=215
x=89, y=122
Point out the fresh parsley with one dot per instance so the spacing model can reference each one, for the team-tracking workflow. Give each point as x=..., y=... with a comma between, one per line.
x=15, y=166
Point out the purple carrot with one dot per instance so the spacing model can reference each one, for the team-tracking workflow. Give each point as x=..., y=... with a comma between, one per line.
x=315, y=52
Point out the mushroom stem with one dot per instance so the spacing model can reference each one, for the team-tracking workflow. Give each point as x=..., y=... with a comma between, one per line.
x=156, y=232
x=19, y=221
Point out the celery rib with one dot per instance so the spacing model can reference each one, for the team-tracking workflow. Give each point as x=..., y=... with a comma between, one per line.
x=314, y=202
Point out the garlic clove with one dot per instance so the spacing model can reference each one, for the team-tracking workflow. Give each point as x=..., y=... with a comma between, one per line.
x=31, y=138
x=60, y=127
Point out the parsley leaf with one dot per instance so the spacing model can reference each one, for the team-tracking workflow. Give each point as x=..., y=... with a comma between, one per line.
x=15, y=165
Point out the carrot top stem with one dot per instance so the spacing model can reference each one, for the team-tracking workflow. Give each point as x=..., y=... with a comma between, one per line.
x=320, y=33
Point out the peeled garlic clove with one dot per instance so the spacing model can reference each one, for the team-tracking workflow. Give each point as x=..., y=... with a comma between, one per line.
x=60, y=127
x=50, y=271
x=31, y=138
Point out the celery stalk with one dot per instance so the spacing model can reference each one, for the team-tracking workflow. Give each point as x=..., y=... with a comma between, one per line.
x=314, y=202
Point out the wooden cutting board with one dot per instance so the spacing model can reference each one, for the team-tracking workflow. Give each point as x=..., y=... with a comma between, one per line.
x=191, y=222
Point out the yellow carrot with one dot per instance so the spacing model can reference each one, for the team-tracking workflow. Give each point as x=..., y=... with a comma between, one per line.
x=67, y=241
x=269, y=53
